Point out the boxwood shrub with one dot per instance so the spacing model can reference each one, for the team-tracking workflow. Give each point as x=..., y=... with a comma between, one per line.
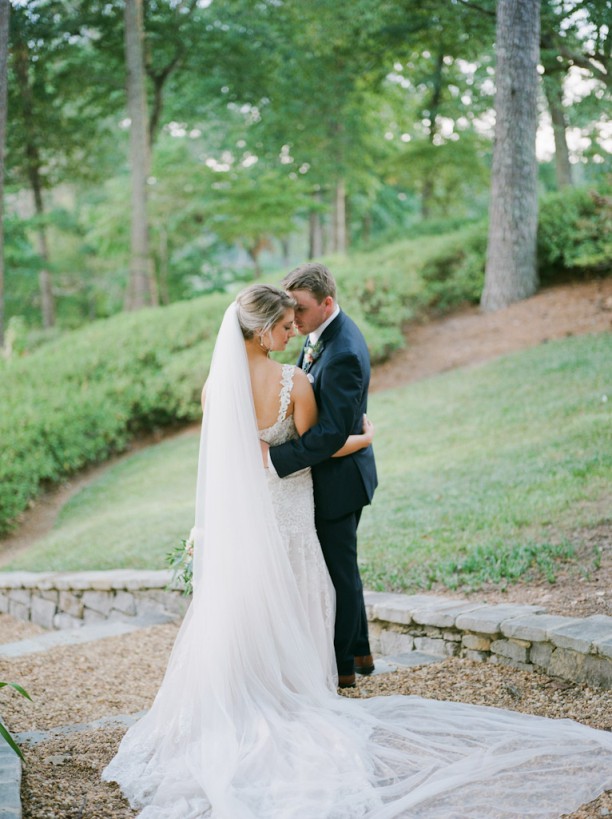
x=82, y=397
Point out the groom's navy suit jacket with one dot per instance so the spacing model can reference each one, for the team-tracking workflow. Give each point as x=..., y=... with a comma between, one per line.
x=341, y=376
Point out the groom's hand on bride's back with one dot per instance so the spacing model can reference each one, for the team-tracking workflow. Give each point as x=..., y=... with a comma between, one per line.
x=265, y=449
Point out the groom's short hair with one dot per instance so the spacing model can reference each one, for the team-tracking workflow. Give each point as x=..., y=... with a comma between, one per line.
x=314, y=277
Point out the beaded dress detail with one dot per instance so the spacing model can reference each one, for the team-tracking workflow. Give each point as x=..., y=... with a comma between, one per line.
x=293, y=503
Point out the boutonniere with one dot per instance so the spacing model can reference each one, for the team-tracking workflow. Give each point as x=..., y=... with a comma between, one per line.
x=311, y=353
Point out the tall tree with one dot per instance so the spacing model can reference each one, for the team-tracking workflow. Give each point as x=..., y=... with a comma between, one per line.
x=511, y=272
x=309, y=70
x=574, y=36
x=26, y=72
x=56, y=133
x=140, y=291
x=4, y=31
x=552, y=82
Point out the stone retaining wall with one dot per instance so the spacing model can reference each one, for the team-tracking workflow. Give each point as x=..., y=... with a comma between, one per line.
x=57, y=600
x=576, y=649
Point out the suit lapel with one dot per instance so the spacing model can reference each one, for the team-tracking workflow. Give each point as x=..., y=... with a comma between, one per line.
x=326, y=337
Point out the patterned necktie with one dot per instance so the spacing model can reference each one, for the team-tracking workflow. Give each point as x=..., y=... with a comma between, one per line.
x=305, y=364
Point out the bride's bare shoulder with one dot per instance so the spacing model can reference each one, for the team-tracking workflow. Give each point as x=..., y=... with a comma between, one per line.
x=301, y=384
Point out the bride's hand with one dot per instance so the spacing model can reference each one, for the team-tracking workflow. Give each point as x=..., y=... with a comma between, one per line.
x=368, y=429
x=358, y=441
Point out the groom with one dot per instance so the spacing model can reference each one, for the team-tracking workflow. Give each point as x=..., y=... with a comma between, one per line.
x=336, y=360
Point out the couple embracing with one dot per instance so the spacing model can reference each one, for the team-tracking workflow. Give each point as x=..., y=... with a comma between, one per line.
x=248, y=723
x=336, y=360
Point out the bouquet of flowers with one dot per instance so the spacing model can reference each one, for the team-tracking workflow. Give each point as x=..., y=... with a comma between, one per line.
x=180, y=560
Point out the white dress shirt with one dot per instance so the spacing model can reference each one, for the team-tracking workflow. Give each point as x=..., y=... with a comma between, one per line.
x=315, y=335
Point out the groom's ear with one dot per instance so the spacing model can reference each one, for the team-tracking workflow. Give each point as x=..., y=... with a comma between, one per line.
x=329, y=305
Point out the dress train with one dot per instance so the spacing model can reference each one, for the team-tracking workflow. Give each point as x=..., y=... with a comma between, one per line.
x=248, y=724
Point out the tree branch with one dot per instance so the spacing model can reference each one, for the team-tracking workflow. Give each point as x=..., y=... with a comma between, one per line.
x=475, y=7
x=586, y=61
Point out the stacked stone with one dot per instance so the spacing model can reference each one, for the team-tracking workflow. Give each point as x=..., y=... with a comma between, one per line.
x=68, y=600
x=525, y=637
x=521, y=636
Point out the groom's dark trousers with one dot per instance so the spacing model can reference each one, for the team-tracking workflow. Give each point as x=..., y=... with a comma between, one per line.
x=342, y=486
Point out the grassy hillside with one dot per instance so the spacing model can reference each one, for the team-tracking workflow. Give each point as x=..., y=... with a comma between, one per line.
x=481, y=472
x=80, y=398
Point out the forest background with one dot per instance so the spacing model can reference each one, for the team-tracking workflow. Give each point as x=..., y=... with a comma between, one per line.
x=275, y=132
x=160, y=155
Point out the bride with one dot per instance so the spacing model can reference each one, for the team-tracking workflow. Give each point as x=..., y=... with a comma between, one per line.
x=247, y=723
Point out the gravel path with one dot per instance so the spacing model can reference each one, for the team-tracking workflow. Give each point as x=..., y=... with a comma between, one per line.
x=120, y=675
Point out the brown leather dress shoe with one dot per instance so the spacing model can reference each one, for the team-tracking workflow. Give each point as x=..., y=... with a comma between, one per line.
x=364, y=665
x=346, y=681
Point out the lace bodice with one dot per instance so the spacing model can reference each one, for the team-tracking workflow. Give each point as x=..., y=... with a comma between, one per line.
x=283, y=428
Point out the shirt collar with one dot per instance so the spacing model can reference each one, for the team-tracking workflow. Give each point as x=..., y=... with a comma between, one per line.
x=315, y=335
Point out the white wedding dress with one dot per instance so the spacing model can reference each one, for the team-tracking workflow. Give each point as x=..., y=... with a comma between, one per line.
x=293, y=502
x=247, y=723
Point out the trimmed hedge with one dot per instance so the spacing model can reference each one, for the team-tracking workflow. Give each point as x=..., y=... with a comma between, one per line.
x=79, y=399
x=575, y=234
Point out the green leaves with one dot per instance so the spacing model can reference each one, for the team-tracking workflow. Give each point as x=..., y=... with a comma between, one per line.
x=501, y=563
x=4, y=733
x=574, y=232
x=18, y=688
x=180, y=560
x=78, y=400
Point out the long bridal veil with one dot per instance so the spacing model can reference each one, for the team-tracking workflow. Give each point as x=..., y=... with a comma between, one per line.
x=247, y=723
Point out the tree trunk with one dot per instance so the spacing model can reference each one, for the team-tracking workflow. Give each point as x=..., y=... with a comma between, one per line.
x=326, y=235
x=315, y=235
x=511, y=270
x=164, y=267
x=141, y=291
x=5, y=8
x=554, y=96
x=45, y=284
x=33, y=161
x=426, y=196
x=159, y=78
x=286, y=250
x=434, y=107
x=366, y=227
x=340, y=243
x=254, y=252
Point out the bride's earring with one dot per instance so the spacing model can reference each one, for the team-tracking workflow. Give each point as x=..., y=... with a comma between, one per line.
x=263, y=346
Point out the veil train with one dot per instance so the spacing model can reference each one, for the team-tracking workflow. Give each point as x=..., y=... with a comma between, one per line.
x=245, y=724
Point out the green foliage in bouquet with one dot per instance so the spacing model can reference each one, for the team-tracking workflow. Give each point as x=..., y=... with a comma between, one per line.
x=180, y=560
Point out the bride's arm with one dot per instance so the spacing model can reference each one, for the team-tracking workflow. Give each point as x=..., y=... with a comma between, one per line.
x=305, y=416
x=357, y=442
x=305, y=413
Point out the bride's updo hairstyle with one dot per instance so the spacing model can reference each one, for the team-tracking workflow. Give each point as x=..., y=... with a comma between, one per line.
x=260, y=307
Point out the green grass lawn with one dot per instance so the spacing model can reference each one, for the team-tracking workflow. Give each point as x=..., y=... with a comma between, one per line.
x=128, y=517
x=482, y=471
